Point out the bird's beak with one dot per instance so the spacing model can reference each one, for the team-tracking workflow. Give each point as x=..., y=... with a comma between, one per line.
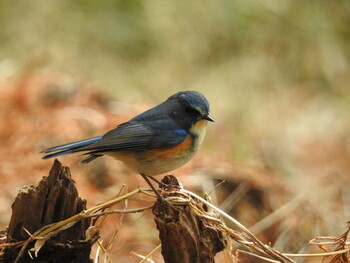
x=208, y=118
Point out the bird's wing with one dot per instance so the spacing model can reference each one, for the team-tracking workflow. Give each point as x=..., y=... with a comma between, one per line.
x=136, y=136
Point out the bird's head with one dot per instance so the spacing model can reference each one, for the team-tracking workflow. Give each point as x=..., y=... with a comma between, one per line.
x=189, y=107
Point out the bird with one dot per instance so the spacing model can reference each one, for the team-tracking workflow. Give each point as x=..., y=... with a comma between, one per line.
x=154, y=142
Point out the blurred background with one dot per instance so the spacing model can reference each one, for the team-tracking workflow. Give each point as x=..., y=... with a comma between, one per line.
x=276, y=73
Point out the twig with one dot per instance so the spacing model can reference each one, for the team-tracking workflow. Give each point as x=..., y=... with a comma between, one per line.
x=116, y=211
x=150, y=253
x=323, y=254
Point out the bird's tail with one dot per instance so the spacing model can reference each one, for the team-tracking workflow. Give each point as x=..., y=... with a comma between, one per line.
x=69, y=148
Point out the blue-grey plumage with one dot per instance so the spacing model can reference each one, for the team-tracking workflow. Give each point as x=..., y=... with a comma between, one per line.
x=157, y=141
x=69, y=147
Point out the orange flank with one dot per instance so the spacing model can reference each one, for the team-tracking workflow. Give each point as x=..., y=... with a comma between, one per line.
x=173, y=152
x=157, y=161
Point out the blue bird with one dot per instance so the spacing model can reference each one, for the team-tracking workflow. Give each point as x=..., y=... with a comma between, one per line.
x=157, y=141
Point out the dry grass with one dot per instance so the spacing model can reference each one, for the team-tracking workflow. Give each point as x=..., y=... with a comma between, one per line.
x=213, y=216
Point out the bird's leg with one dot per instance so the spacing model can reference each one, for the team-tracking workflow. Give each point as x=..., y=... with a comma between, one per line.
x=145, y=177
x=166, y=182
x=157, y=181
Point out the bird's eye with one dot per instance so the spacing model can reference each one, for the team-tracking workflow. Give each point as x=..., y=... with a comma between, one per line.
x=188, y=109
x=192, y=111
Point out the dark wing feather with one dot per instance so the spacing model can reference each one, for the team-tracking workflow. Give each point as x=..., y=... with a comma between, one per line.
x=136, y=136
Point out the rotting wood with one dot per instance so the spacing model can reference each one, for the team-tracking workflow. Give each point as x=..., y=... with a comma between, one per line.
x=185, y=236
x=54, y=199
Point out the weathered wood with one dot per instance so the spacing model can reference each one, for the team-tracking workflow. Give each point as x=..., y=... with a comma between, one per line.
x=54, y=199
x=185, y=236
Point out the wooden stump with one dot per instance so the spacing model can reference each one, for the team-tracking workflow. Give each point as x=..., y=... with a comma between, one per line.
x=54, y=199
x=185, y=236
